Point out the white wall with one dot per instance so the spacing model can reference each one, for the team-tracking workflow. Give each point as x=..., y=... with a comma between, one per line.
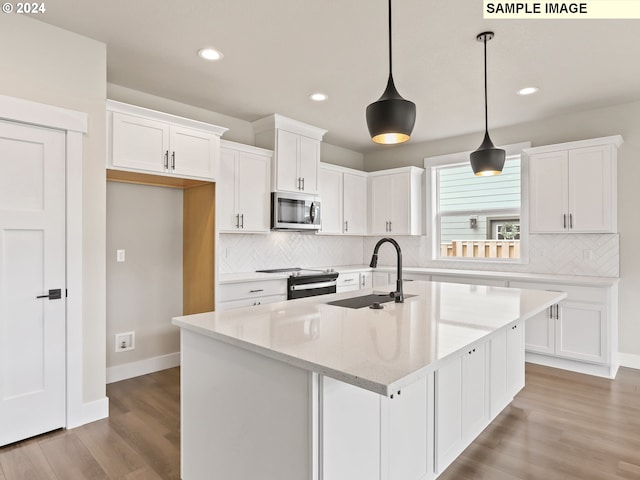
x=341, y=156
x=45, y=64
x=619, y=119
x=145, y=291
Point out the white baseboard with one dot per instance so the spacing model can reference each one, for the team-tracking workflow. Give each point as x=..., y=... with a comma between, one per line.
x=91, y=411
x=606, y=371
x=142, y=367
x=630, y=360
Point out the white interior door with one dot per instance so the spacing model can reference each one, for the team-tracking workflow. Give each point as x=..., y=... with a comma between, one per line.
x=32, y=264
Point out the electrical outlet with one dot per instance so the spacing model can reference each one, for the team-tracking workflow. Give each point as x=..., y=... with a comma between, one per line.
x=587, y=254
x=125, y=341
x=119, y=255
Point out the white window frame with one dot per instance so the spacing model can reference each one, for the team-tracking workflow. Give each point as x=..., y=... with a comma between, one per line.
x=431, y=164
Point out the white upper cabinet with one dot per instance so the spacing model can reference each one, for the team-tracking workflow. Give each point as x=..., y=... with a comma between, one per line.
x=343, y=196
x=242, y=191
x=330, y=188
x=396, y=201
x=297, y=152
x=146, y=141
x=572, y=187
x=354, y=203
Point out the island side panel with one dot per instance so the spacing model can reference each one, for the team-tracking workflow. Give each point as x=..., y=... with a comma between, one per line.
x=243, y=415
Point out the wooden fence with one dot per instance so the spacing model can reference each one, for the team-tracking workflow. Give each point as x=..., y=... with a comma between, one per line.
x=481, y=248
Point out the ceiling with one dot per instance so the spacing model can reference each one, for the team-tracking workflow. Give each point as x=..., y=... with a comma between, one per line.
x=277, y=52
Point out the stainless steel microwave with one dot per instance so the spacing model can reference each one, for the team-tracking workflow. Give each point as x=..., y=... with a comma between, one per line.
x=295, y=211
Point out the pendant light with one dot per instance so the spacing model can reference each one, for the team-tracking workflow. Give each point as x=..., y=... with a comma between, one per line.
x=487, y=159
x=391, y=118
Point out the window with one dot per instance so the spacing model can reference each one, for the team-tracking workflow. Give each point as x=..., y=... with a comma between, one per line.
x=476, y=217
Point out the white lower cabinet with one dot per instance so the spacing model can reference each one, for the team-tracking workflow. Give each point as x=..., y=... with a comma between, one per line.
x=350, y=418
x=366, y=279
x=583, y=327
x=461, y=403
x=507, y=367
x=352, y=281
x=246, y=294
x=421, y=429
x=366, y=436
x=348, y=282
x=469, y=281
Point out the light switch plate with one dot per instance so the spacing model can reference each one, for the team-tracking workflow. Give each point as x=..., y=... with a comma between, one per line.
x=119, y=255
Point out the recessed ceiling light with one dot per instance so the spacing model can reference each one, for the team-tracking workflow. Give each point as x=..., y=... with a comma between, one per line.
x=210, y=54
x=318, y=97
x=527, y=91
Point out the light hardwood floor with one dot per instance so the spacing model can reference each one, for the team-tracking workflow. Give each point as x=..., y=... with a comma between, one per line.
x=561, y=426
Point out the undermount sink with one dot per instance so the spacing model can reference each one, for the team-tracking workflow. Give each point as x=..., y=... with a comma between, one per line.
x=364, y=300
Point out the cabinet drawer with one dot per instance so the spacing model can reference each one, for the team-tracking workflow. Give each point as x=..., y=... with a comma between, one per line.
x=574, y=293
x=469, y=280
x=236, y=291
x=248, y=302
x=348, y=279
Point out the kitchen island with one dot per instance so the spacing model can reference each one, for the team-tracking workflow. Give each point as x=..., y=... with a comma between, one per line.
x=303, y=389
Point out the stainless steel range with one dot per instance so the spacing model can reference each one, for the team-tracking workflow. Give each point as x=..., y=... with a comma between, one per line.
x=307, y=282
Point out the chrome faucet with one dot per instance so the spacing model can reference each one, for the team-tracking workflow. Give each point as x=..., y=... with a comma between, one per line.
x=398, y=296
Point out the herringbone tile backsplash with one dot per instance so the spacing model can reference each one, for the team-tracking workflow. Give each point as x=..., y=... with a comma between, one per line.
x=248, y=253
x=554, y=254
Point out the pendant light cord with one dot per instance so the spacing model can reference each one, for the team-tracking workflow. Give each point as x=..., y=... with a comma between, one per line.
x=486, y=115
x=390, y=38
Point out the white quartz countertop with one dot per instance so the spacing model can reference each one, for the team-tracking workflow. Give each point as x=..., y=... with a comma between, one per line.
x=379, y=350
x=471, y=274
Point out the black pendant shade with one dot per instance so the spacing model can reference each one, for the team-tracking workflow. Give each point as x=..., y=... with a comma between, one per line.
x=487, y=159
x=391, y=118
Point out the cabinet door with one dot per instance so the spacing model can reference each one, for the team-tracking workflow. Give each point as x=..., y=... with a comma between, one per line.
x=381, y=279
x=400, y=204
x=540, y=332
x=139, y=143
x=254, y=192
x=308, y=163
x=350, y=442
x=409, y=430
x=499, y=394
x=475, y=412
x=581, y=331
x=193, y=152
x=287, y=176
x=515, y=359
x=330, y=187
x=590, y=195
x=355, y=204
x=380, y=191
x=448, y=419
x=250, y=302
x=548, y=196
x=366, y=280
x=226, y=191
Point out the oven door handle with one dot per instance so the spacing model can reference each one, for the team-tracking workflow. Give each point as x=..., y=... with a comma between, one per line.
x=312, y=286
